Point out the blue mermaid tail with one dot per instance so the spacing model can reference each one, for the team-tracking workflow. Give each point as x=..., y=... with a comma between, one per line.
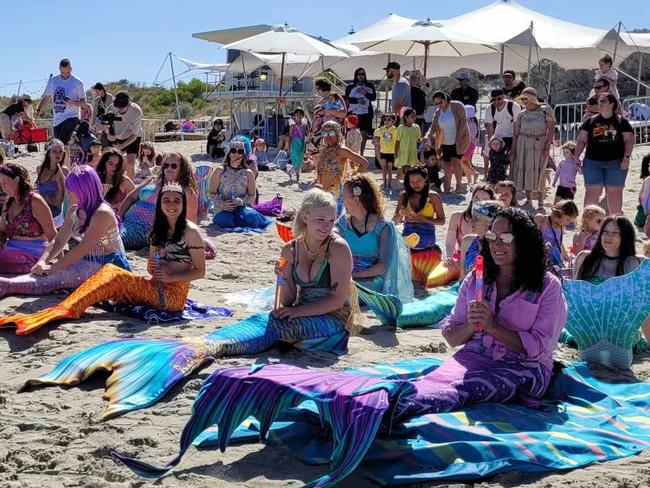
x=604, y=319
x=144, y=370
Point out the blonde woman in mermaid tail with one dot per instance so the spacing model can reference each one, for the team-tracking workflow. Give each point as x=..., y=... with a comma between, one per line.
x=90, y=220
x=176, y=258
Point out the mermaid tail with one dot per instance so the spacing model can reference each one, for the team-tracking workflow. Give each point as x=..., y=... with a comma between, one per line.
x=143, y=371
x=604, y=319
x=423, y=263
x=202, y=173
x=386, y=307
x=352, y=405
x=284, y=231
x=109, y=283
x=444, y=273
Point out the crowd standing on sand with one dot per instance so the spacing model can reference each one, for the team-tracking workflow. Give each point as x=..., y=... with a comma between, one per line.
x=101, y=190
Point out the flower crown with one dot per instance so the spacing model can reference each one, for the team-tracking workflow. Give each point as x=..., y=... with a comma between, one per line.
x=172, y=186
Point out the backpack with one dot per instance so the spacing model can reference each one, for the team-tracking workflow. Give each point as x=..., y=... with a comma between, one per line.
x=493, y=111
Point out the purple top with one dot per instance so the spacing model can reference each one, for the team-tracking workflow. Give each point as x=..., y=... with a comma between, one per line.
x=566, y=173
x=538, y=318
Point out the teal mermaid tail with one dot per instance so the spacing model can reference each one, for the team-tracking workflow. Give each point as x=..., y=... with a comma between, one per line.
x=386, y=307
x=144, y=370
x=604, y=319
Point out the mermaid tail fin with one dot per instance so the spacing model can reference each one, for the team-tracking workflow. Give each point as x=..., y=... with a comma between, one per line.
x=353, y=406
x=444, y=273
x=143, y=371
x=423, y=263
x=284, y=232
x=28, y=323
x=386, y=307
x=411, y=240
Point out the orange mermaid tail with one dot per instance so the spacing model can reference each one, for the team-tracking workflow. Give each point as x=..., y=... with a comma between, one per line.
x=109, y=283
x=423, y=263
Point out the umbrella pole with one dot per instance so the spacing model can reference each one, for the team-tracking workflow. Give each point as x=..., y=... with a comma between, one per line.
x=386, y=99
x=501, y=59
x=426, y=59
x=277, y=124
x=530, y=53
x=550, y=80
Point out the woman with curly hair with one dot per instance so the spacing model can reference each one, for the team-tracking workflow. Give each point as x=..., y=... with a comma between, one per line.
x=381, y=260
x=25, y=221
x=115, y=183
x=51, y=174
x=138, y=208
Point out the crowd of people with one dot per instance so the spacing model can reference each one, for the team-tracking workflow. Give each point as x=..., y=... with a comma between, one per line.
x=101, y=190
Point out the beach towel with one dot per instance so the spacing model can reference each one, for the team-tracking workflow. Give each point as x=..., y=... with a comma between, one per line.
x=582, y=421
x=193, y=311
x=202, y=173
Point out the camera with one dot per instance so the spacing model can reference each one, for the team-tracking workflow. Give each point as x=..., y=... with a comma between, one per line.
x=109, y=119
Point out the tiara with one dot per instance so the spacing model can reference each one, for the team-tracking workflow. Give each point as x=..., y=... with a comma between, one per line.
x=172, y=186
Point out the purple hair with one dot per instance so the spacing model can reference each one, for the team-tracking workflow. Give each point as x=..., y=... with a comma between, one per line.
x=84, y=182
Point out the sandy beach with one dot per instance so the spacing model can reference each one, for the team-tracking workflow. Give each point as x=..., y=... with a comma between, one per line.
x=51, y=437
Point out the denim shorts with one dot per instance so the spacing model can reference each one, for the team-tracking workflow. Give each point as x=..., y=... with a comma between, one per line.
x=604, y=173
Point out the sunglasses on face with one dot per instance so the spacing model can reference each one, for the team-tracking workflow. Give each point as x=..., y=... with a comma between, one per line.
x=499, y=99
x=524, y=99
x=599, y=87
x=505, y=237
x=170, y=165
x=328, y=133
x=237, y=151
x=603, y=101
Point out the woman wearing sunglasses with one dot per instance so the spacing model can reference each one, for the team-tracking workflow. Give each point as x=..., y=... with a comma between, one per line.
x=139, y=207
x=359, y=96
x=332, y=161
x=234, y=188
x=470, y=248
x=609, y=140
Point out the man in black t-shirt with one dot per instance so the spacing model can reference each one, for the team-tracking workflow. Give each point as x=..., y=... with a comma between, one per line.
x=465, y=94
x=22, y=108
x=511, y=89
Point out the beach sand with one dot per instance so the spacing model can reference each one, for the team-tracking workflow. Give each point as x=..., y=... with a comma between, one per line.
x=51, y=437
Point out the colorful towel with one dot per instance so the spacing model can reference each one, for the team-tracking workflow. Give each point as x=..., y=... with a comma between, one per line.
x=582, y=421
x=193, y=311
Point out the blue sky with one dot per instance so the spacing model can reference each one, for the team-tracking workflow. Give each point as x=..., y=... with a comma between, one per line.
x=118, y=39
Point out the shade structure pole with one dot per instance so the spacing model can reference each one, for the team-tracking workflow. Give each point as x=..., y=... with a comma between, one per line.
x=386, y=99
x=638, y=79
x=178, y=110
x=284, y=56
x=618, y=35
x=426, y=59
x=322, y=64
x=20, y=85
x=530, y=52
x=501, y=59
x=550, y=78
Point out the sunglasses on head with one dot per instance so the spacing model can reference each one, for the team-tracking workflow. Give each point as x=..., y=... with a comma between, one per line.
x=328, y=133
x=505, y=237
x=170, y=165
x=237, y=150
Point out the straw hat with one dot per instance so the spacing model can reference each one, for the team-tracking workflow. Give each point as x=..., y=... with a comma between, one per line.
x=529, y=93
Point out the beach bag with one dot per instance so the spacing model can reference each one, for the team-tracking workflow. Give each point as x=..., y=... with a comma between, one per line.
x=639, y=219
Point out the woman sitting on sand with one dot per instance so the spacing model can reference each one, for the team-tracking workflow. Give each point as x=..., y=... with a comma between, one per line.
x=233, y=187
x=89, y=220
x=460, y=223
x=111, y=173
x=613, y=255
x=26, y=222
x=332, y=161
x=381, y=260
x=138, y=208
x=419, y=209
x=176, y=258
x=51, y=175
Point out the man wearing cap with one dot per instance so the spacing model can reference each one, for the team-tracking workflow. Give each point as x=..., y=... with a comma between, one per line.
x=465, y=94
x=511, y=89
x=500, y=117
x=401, y=88
x=128, y=130
x=9, y=116
x=67, y=94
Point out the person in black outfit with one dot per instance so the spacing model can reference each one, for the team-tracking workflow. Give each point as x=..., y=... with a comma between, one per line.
x=359, y=96
x=511, y=89
x=465, y=94
x=19, y=108
x=418, y=99
x=216, y=137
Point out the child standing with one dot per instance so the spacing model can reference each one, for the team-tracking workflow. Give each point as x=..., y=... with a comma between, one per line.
x=353, y=137
x=297, y=136
x=498, y=157
x=406, y=145
x=429, y=158
x=565, y=176
x=592, y=218
x=259, y=153
x=384, y=139
x=563, y=214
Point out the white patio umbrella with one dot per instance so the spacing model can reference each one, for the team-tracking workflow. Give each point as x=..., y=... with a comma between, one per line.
x=425, y=38
x=282, y=39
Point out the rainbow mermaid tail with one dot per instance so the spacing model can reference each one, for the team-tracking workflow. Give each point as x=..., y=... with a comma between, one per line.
x=423, y=262
x=109, y=283
x=604, y=319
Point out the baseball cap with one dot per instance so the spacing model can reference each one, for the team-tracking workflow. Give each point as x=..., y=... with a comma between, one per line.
x=392, y=65
x=463, y=75
x=122, y=99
